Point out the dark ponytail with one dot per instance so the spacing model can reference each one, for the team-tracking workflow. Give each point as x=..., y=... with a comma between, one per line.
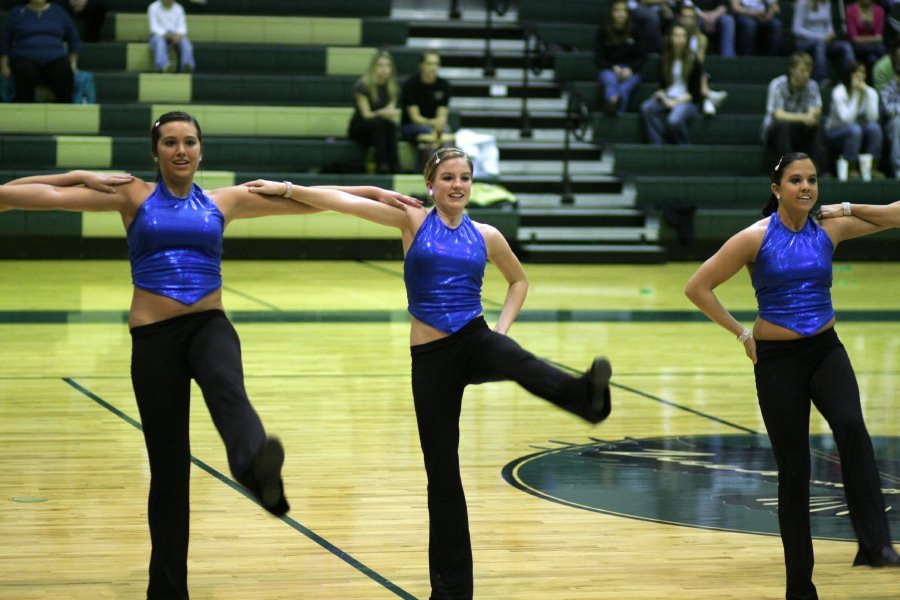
x=776, y=175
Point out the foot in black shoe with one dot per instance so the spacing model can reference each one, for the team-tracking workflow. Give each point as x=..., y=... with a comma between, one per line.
x=598, y=380
x=267, y=472
x=885, y=557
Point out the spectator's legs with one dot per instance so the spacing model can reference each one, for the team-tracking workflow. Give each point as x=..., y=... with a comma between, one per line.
x=892, y=131
x=678, y=120
x=58, y=75
x=610, y=86
x=625, y=89
x=726, y=35
x=160, y=49
x=648, y=26
x=816, y=50
x=771, y=31
x=872, y=137
x=779, y=138
x=25, y=74
x=94, y=14
x=851, y=140
x=186, y=55
x=654, y=114
x=746, y=34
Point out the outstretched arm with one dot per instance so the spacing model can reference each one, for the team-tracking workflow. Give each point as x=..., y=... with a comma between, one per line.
x=378, y=194
x=737, y=252
x=102, y=182
x=39, y=196
x=885, y=215
x=501, y=255
x=323, y=198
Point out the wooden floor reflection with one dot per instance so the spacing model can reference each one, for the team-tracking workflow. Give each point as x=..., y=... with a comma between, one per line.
x=327, y=364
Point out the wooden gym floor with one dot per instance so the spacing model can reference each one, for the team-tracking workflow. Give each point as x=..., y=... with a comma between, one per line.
x=327, y=367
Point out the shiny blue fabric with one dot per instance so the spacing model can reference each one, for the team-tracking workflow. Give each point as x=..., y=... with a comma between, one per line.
x=792, y=277
x=443, y=271
x=175, y=245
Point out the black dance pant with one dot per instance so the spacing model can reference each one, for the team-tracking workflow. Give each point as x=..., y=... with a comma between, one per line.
x=440, y=372
x=57, y=73
x=790, y=374
x=165, y=357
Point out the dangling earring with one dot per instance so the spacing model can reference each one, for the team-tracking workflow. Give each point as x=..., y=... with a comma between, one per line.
x=156, y=159
x=430, y=191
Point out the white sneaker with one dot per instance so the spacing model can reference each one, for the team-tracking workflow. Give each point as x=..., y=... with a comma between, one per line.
x=717, y=97
x=709, y=109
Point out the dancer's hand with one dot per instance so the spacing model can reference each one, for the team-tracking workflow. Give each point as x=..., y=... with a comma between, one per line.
x=831, y=211
x=104, y=182
x=750, y=349
x=395, y=199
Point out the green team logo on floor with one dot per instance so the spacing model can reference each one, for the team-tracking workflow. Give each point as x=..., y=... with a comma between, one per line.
x=726, y=482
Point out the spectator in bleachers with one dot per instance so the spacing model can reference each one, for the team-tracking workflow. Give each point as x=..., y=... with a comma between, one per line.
x=619, y=55
x=883, y=71
x=40, y=42
x=793, y=110
x=649, y=17
x=890, y=106
x=852, y=129
x=669, y=111
x=759, y=29
x=716, y=20
x=89, y=16
x=814, y=34
x=699, y=43
x=425, y=99
x=865, y=30
x=374, y=121
x=168, y=27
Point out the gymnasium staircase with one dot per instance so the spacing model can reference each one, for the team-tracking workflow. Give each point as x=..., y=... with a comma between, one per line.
x=583, y=213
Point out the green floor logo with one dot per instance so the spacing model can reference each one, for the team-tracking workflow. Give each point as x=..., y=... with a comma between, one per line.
x=726, y=482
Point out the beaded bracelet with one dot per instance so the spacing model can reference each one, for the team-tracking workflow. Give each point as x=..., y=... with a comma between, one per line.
x=744, y=336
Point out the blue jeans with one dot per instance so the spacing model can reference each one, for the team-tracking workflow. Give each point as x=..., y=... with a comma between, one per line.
x=839, y=51
x=852, y=139
x=892, y=131
x=613, y=86
x=662, y=123
x=748, y=29
x=160, y=48
x=725, y=27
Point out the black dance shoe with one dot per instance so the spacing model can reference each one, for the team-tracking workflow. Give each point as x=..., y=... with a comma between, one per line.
x=269, y=488
x=886, y=557
x=598, y=381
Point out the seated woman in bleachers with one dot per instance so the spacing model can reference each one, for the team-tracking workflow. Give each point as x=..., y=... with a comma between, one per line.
x=865, y=30
x=619, y=55
x=759, y=29
x=852, y=129
x=669, y=111
x=813, y=30
x=374, y=121
x=688, y=16
x=40, y=42
x=168, y=27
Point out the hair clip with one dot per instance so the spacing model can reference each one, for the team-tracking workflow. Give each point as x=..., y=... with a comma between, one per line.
x=778, y=166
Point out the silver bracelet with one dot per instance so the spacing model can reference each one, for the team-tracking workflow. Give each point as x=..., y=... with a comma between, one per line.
x=846, y=208
x=288, y=188
x=744, y=336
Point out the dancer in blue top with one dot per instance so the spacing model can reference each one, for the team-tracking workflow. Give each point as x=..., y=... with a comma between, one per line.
x=178, y=326
x=799, y=359
x=452, y=345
